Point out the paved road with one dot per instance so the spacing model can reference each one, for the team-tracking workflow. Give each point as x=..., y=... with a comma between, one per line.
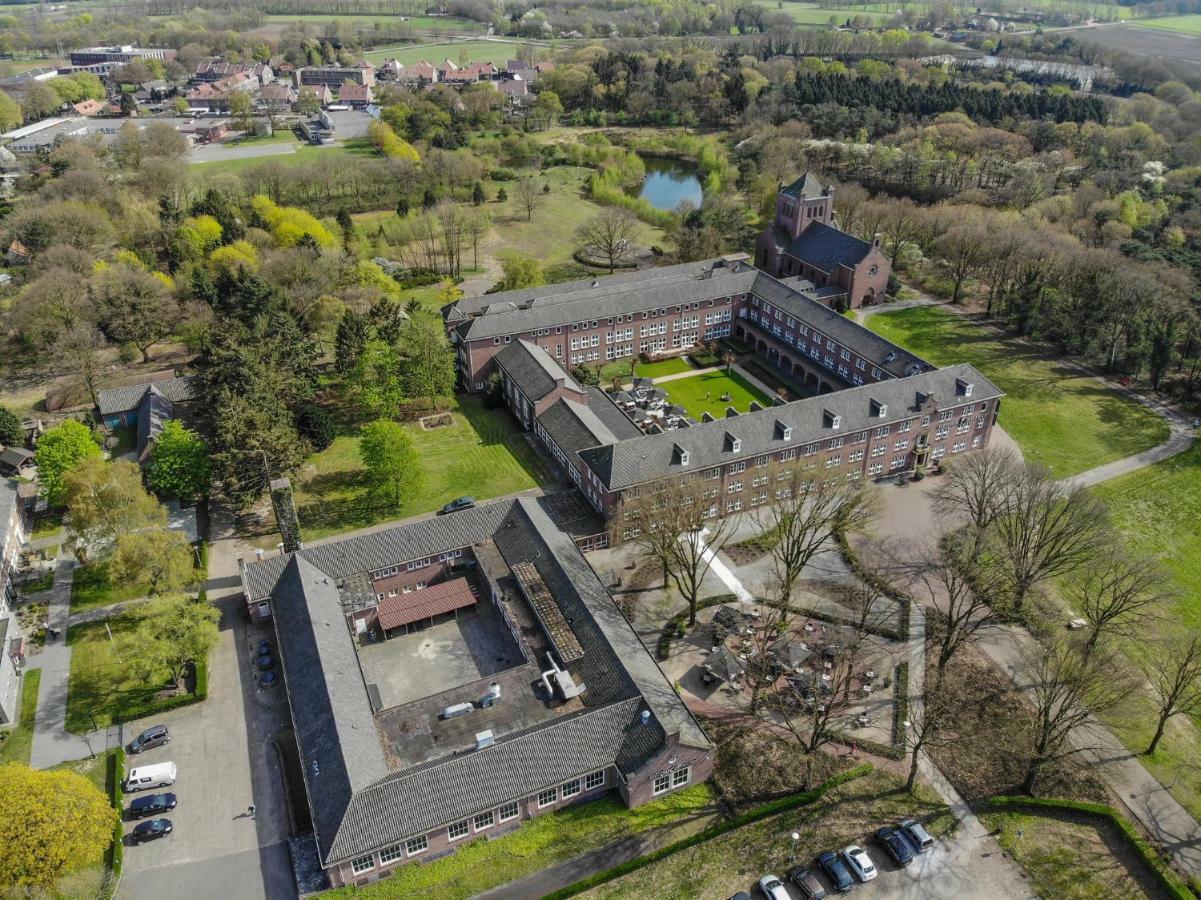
x=223, y=750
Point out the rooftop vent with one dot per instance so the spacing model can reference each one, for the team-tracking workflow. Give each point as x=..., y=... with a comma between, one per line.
x=459, y=709
x=646, y=717
x=492, y=697
x=890, y=357
x=484, y=739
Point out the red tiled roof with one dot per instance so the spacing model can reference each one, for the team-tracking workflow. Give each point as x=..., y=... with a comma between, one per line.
x=426, y=603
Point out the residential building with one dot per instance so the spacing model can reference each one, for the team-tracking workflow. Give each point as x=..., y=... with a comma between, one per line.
x=215, y=95
x=405, y=757
x=91, y=56
x=215, y=70
x=357, y=96
x=531, y=381
x=278, y=98
x=335, y=76
x=148, y=407
x=14, y=532
x=804, y=242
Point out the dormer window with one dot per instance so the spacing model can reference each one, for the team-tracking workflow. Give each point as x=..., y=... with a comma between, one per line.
x=879, y=410
x=733, y=444
x=964, y=387
x=784, y=431
x=832, y=421
x=681, y=455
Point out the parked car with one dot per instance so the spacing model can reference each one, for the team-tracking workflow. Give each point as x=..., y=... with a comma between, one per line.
x=807, y=883
x=895, y=845
x=460, y=503
x=859, y=862
x=151, y=805
x=836, y=870
x=741, y=895
x=918, y=837
x=773, y=888
x=155, y=736
x=151, y=830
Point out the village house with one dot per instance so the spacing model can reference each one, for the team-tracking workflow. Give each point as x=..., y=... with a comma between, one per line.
x=147, y=407
x=357, y=96
x=335, y=76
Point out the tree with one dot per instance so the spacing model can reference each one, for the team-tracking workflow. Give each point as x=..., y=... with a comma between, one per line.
x=351, y=337
x=501, y=194
x=803, y=514
x=675, y=523
x=54, y=822
x=1117, y=594
x=10, y=112
x=1175, y=675
x=428, y=369
x=105, y=500
x=393, y=466
x=477, y=194
x=241, y=109
x=79, y=347
x=976, y=486
x=158, y=560
x=963, y=249
x=812, y=705
x=171, y=633
x=307, y=103
x=135, y=306
x=58, y=451
x=316, y=426
x=520, y=271
x=377, y=379
x=529, y=196
x=179, y=463
x=609, y=234
x=547, y=109
x=931, y=718
x=12, y=432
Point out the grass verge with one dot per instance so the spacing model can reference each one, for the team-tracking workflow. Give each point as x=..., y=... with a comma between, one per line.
x=1067, y=421
x=18, y=740
x=92, y=588
x=702, y=393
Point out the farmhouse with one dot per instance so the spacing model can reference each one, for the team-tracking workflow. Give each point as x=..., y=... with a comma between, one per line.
x=148, y=407
x=540, y=693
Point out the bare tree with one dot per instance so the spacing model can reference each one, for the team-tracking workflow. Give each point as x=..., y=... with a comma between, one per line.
x=1175, y=675
x=930, y=725
x=1116, y=594
x=475, y=227
x=762, y=665
x=962, y=249
x=453, y=226
x=813, y=705
x=976, y=486
x=610, y=234
x=802, y=514
x=1046, y=530
x=1067, y=690
x=79, y=347
x=673, y=522
x=529, y=196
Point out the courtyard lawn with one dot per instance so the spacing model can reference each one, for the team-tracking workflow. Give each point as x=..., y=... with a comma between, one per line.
x=672, y=366
x=1067, y=421
x=483, y=454
x=18, y=740
x=100, y=688
x=1071, y=858
x=702, y=393
x=540, y=843
x=733, y=862
x=92, y=588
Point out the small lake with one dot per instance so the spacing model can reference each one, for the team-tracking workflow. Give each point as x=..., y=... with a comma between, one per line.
x=669, y=183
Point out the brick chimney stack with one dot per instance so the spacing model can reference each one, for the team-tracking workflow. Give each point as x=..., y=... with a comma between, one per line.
x=285, y=514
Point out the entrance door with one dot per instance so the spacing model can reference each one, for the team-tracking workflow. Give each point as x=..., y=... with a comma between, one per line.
x=923, y=458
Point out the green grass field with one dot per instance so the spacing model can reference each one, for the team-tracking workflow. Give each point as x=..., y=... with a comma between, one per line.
x=91, y=588
x=18, y=740
x=304, y=153
x=702, y=393
x=1067, y=421
x=483, y=455
x=1179, y=24
x=539, y=843
x=811, y=14
x=458, y=52
x=445, y=23
x=672, y=366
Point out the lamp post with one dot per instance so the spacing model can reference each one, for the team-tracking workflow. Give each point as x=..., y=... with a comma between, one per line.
x=796, y=839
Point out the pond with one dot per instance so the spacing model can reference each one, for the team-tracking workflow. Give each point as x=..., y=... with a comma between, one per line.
x=669, y=183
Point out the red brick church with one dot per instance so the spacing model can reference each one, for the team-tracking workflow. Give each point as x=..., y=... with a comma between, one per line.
x=804, y=242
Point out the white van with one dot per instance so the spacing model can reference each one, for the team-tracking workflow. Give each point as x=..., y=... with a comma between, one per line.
x=145, y=778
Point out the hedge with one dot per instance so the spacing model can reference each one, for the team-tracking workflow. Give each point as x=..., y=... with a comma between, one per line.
x=772, y=808
x=880, y=584
x=117, y=797
x=900, y=715
x=673, y=626
x=1170, y=881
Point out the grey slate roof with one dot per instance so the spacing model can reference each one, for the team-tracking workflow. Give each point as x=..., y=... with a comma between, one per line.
x=15, y=456
x=826, y=248
x=154, y=411
x=574, y=426
x=533, y=370
x=9, y=498
x=126, y=399
x=806, y=186
x=652, y=456
x=614, y=419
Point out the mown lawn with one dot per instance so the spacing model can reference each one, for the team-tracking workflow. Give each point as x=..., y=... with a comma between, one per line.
x=540, y=843
x=1158, y=509
x=345, y=152
x=1067, y=421
x=1178, y=24
x=1070, y=860
x=483, y=455
x=733, y=862
x=672, y=366
x=702, y=393
x=88, y=880
x=459, y=52
x=18, y=740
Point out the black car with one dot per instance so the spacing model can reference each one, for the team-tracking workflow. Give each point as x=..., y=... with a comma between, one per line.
x=836, y=870
x=151, y=805
x=460, y=503
x=155, y=736
x=151, y=830
x=895, y=845
x=806, y=881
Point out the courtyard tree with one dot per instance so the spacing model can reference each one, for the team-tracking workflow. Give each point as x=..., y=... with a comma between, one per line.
x=377, y=379
x=676, y=524
x=930, y=725
x=156, y=559
x=241, y=110
x=529, y=196
x=609, y=234
x=1117, y=594
x=59, y=450
x=801, y=515
x=391, y=460
x=428, y=369
x=171, y=633
x=105, y=500
x=1174, y=670
x=179, y=463
x=815, y=706
x=54, y=823
x=976, y=485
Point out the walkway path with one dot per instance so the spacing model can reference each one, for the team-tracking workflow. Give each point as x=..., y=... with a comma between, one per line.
x=721, y=570
x=52, y=743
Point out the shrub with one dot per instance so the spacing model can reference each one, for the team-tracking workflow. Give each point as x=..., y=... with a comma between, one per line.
x=316, y=426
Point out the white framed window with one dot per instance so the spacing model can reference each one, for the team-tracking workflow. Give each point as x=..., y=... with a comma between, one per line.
x=458, y=830
x=571, y=788
x=662, y=783
x=594, y=780
x=548, y=797
x=680, y=776
x=390, y=854
x=484, y=820
x=416, y=845
x=509, y=811
x=363, y=864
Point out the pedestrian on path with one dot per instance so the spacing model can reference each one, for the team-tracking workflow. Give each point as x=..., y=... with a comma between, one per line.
x=250, y=810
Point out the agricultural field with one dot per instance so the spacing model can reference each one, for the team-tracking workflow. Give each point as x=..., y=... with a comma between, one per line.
x=1180, y=24
x=431, y=23
x=1061, y=418
x=302, y=153
x=459, y=52
x=1178, y=50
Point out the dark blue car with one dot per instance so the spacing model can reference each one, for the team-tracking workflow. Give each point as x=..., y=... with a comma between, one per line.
x=836, y=870
x=151, y=805
x=895, y=845
x=151, y=830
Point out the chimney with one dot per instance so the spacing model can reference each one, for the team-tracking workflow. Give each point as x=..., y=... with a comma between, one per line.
x=285, y=514
x=877, y=240
x=646, y=717
x=484, y=739
x=492, y=697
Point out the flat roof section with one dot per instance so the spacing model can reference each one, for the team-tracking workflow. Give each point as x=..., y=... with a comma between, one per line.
x=546, y=608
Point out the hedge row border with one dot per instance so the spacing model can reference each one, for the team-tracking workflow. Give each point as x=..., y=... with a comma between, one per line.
x=116, y=796
x=904, y=600
x=772, y=808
